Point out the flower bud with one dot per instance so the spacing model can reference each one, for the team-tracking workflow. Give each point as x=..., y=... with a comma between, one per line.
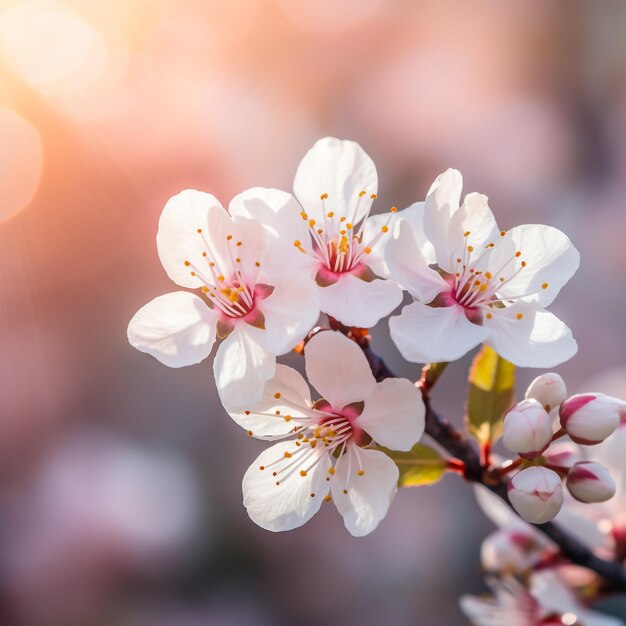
x=590, y=418
x=548, y=389
x=563, y=455
x=590, y=482
x=527, y=429
x=536, y=493
x=511, y=552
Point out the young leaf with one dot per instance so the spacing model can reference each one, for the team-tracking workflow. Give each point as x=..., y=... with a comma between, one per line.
x=420, y=466
x=491, y=395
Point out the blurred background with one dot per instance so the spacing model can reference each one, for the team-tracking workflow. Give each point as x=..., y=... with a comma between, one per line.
x=120, y=479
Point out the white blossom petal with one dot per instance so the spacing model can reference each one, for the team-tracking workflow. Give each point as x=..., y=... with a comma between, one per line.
x=370, y=479
x=550, y=257
x=289, y=504
x=393, y=414
x=178, y=239
x=426, y=334
x=409, y=268
x=338, y=369
x=476, y=219
x=356, y=302
x=529, y=336
x=279, y=214
x=290, y=312
x=262, y=420
x=442, y=202
x=341, y=169
x=242, y=366
x=178, y=329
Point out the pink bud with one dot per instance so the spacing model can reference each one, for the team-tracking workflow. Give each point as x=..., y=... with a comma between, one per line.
x=548, y=389
x=590, y=418
x=590, y=482
x=511, y=552
x=527, y=429
x=536, y=493
x=563, y=455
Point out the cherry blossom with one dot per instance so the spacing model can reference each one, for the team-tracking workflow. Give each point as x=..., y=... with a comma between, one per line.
x=244, y=299
x=474, y=283
x=547, y=602
x=324, y=447
x=340, y=244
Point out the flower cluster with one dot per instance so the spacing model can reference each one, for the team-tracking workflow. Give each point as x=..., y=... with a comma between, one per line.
x=265, y=268
x=536, y=492
x=258, y=275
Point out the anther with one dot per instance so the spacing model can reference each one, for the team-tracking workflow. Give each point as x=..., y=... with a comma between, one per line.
x=394, y=209
x=361, y=472
x=324, y=196
x=229, y=237
x=518, y=254
x=362, y=193
x=261, y=467
x=187, y=263
x=384, y=228
x=199, y=230
x=277, y=395
x=519, y=316
x=373, y=196
x=303, y=473
x=327, y=497
x=544, y=286
x=288, y=455
x=331, y=470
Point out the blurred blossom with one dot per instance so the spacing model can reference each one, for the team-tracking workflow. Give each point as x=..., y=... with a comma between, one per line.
x=21, y=157
x=97, y=508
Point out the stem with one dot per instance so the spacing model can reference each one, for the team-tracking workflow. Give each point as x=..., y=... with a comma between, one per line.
x=459, y=446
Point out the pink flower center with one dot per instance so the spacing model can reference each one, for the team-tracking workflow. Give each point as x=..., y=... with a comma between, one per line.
x=230, y=284
x=475, y=286
x=337, y=242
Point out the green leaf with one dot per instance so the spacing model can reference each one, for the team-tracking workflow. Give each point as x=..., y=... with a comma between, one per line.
x=420, y=466
x=491, y=395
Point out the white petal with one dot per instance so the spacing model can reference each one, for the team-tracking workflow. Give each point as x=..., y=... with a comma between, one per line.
x=538, y=339
x=442, y=202
x=242, y=366
x=409, y=268
x=262, y=420
x=394, y=414
x=178, y=329
x=178, y=239
x=290, y=312
x=356, y=302
x=289, y=504
x=414, y=217
x=425, y=334
x=341, y=169
x=474, y=217
x=550, y=257
x=338, y=369
x=372, y=233
x=368, y=495
x=279, y=214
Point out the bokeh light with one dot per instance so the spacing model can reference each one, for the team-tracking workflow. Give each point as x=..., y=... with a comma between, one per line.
x=21, y=157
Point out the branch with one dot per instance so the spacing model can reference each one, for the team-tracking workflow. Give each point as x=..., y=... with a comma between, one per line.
x=458, y=445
